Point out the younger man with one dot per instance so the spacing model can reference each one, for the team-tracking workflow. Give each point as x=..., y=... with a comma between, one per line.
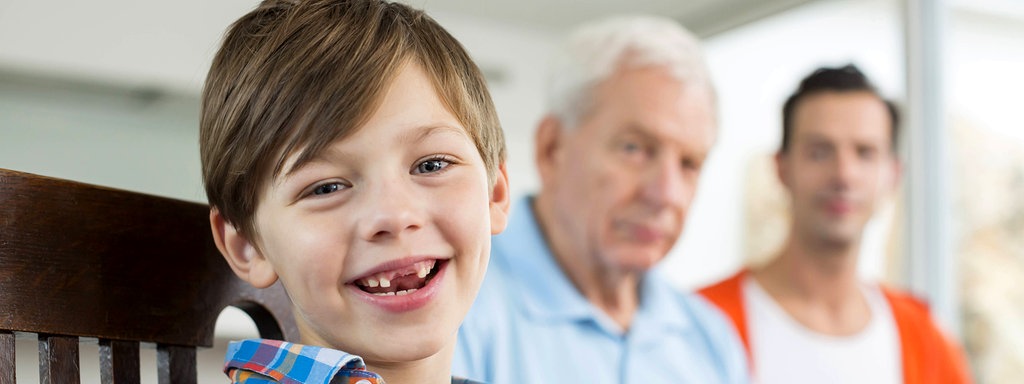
x=805, y=317
x=351, y=150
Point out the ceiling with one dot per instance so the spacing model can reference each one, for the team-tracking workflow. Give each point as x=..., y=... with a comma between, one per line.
x=703, y=17
x=166, y=43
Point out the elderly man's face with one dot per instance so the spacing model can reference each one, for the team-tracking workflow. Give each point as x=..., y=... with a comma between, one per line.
x=623, y=179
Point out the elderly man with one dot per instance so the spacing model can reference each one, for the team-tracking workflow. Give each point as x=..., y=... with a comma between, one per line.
x=569, y=296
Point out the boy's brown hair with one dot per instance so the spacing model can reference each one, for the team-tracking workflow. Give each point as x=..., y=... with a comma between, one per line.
x=294, y=76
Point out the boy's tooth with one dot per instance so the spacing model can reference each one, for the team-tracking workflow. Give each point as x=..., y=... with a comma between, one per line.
x=389, y=294
x=381, y=280
x=425, y=268
x=406, y=291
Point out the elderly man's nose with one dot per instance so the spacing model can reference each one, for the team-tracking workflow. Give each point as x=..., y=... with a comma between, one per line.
x=665, y=184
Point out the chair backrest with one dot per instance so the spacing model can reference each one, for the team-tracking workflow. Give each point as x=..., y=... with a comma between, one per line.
x=79, y=260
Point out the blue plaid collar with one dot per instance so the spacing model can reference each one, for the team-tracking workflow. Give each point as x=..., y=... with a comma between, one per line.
x=272, y=361
x=263, y=361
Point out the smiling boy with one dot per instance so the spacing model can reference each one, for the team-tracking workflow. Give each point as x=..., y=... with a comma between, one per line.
x=351, y=150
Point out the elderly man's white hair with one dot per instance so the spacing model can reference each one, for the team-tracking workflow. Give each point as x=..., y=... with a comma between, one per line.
x=595, y=50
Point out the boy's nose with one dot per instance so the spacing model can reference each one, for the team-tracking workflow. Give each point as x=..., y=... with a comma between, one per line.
x=390, y=211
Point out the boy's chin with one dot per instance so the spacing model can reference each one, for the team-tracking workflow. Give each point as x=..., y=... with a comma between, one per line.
x=405, y=351
x=388, y=345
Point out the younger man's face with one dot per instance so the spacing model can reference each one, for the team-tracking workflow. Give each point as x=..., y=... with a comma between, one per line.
x=383, y=240
x=840, y=164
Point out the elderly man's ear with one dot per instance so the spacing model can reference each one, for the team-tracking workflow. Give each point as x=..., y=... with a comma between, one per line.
x=241, y=253
x=548, y=143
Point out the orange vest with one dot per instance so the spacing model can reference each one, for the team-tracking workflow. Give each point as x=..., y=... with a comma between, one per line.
x=928, y=356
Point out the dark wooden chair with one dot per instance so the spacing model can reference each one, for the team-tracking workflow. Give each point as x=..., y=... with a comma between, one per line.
x=82, y=261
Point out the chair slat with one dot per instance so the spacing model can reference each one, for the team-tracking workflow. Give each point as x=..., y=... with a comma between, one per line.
x=119, y=361
x=176, y=364
x=58, y=359
x=7, y=349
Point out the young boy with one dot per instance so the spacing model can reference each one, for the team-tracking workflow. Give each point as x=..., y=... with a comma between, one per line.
x=351, y=150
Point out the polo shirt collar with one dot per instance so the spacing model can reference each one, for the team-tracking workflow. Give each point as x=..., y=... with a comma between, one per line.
x=548, y=294
x=661, y=304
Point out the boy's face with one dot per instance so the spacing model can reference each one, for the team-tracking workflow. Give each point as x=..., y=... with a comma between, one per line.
x=383, y=240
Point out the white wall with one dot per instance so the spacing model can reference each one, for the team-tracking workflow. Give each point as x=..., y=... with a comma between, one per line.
x=984, y=78
x=164, y=43
x=109, y=139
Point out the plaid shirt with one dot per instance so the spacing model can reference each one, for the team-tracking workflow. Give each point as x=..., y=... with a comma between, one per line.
x=262, y=361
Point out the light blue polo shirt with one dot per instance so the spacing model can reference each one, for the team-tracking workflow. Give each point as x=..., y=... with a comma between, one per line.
x=529, y=325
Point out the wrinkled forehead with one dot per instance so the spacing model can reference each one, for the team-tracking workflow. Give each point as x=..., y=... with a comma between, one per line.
x=651, y=99
x=621, y=87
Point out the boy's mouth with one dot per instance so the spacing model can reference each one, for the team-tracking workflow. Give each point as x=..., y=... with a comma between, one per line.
x=400, y=281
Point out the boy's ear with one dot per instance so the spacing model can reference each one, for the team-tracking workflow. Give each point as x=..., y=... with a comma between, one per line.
x=499, y=201
x=242, y=255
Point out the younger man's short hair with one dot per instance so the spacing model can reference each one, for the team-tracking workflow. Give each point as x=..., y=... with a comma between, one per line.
x=294, y=76
x=848, y=78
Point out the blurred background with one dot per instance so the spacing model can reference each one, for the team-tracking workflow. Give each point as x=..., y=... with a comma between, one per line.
x=107, y=92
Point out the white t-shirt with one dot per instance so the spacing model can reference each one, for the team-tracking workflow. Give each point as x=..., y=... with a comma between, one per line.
x=785, y=351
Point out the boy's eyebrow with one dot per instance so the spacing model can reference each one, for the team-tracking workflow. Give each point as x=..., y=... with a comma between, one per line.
x=424, y=131
x=414, y=135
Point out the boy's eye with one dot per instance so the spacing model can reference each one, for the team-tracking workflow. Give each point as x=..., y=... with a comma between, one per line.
x=324, y=189
x=432, y=165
